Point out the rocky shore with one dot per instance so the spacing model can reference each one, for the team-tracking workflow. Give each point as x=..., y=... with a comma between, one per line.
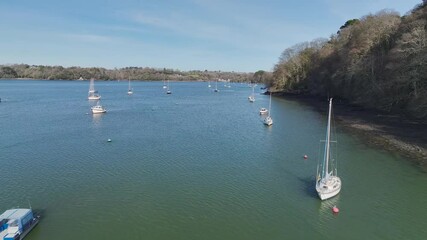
x=393, y=133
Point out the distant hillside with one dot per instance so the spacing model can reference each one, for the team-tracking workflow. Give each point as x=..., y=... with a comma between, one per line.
x=133, y=73
x=378, y=61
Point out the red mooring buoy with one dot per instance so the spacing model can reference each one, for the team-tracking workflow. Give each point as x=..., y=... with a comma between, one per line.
x=335, y=209
x=305, y=156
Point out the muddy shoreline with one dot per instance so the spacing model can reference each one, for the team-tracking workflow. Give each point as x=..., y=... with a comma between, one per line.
x=393, y=133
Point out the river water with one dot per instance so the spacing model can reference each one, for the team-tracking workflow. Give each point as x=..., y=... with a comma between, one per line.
x=192, y=165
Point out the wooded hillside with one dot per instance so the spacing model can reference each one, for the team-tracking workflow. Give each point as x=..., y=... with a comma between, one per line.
x=133, y=73
x=378, y=61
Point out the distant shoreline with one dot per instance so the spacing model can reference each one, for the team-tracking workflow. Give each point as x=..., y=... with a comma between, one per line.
x=390, y=132
x=109, y=80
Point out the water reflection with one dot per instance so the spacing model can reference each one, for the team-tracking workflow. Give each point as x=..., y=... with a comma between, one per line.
x=96, y=119
x=326, y=206
x=309, y=186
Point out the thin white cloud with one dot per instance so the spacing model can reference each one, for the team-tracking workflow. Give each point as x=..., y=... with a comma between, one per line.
x=234, y=30
x=89, y=38
x=182, y=24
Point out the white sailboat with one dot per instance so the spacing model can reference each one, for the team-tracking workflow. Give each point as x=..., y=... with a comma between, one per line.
x=268, y=120
x=328, y=184
x=227, y=83
x=130, y=92
x=209, y=84
x=93, y=94
x=263, y=111
x=252, y=97
x=216, y=86
x=164, y=84
x=98, y=108
x=168, y=91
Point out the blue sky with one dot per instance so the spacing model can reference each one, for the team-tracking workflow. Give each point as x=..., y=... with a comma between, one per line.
x=226, y=35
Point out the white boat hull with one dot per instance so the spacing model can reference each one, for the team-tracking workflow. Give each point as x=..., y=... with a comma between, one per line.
x=327, y=188
x=268, y=121
x=33, y=224
x=98, y=111
x=94, y=97
x=263, y=111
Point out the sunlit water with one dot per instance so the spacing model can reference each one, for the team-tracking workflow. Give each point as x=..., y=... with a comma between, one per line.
x=191, y=165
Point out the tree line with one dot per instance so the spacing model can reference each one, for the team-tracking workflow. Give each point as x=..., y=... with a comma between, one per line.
x=132, y=73
x=378, y=61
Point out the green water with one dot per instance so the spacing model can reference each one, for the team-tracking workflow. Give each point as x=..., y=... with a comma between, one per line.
x=191, y=165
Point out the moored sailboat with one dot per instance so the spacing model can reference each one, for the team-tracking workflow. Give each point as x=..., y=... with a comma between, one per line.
x=263, y=111
x=268, y=120
x=130, y=91
x=98, y=108
x=328, y=184
x=93, y=94
x=252, y=96
x=216, y=86
x=168, y=91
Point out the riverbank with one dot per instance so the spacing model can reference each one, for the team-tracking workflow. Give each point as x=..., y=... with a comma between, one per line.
x=393, y=133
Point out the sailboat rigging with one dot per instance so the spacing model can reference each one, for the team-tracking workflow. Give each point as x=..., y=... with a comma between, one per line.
x=216, y=86
x=93, y=94
x=268, y=120
x=252, y=97
x=328, y=184
x=168, y=91
x=130, y=91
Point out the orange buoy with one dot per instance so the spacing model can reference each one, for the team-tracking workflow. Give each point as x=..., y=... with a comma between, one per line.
x=335, y=209
x=305, y=156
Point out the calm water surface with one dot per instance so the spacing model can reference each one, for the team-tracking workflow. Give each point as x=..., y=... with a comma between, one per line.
x=191, y=165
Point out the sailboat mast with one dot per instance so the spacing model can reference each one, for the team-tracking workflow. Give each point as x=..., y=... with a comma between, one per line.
x=91, y=86
x=269, y=106
x=328, y=139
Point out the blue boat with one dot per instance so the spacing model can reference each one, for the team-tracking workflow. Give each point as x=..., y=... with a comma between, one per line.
x=15, y=224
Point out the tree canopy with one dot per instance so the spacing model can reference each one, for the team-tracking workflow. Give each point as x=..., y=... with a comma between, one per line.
x=378, y=61
x=133, y=73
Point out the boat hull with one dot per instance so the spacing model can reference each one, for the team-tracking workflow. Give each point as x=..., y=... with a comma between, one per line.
x=328, y=188
x=94, y=98
x=268, y=121
x=263, y=111
x=33, y=224
x=17, y=223
x=98, y=111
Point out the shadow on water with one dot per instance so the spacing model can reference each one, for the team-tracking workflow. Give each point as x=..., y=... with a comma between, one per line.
x=309, y=186
x=39, y=212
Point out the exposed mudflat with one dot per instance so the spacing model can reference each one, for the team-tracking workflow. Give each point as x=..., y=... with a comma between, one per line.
x=390, y=132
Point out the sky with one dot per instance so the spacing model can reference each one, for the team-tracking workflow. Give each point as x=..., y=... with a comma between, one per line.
x=214, y=35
